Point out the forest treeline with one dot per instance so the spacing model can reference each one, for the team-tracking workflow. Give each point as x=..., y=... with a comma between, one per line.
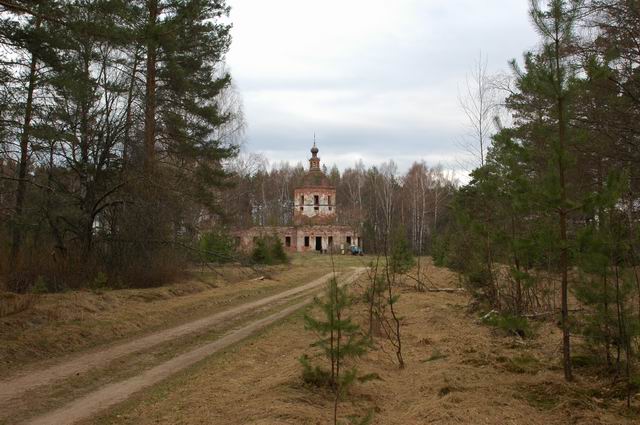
x=376, y=201
x=554, y=206
x=115, y=119
x=119, y=149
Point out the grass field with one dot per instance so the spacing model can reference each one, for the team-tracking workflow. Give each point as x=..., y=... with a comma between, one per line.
x=65, y=323
x=458, y=370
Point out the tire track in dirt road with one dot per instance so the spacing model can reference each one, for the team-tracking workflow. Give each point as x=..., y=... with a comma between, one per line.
x=17, y=385
x=112, y=394
x=109, y=395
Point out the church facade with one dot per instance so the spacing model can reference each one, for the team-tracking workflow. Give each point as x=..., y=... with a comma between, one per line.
x=315, y=218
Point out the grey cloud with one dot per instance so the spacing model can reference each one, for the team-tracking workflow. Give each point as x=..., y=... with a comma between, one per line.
x=391, y=94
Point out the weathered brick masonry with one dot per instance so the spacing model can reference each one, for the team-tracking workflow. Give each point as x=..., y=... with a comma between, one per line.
x=314, y=218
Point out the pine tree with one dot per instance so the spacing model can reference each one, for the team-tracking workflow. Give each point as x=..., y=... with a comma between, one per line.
x=269, y=250
x=340, y=338
x=550, y=76
x=84, y=125
x=401, y=259
x=185, y=43
x=515, y=229
x=73, y=108
x=27, y=35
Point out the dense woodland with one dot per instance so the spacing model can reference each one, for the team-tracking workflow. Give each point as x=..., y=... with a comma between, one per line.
x=116, y=117
x=554, y=205
x=119, y=148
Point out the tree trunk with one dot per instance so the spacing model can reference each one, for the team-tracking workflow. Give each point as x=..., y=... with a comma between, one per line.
x=519, y=308
x=566, y=336
x=607, y=331
x=23, y=164
x=129, y=115
x=562, y=214
x=150, y=105
x=86, y=183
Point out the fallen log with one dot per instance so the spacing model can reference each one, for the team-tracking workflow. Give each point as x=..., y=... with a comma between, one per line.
x=420, y=286
x=444, y=289
x=550, y=313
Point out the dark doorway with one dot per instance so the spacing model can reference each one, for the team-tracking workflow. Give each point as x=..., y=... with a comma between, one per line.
x=318, y=243
x=287, y=241
x=306, y=241
x=349, y=240
x=330, y=242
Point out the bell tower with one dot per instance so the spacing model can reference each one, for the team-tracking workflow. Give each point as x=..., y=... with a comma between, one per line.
x=315, y=198
x=314, y=161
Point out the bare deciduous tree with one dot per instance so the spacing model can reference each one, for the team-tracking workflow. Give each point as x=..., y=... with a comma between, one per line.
x=478, y=99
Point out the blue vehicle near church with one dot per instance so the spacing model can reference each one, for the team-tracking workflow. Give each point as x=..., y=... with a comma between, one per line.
x=356, y=250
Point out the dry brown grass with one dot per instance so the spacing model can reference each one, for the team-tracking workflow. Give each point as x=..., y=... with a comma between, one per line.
x=458, y=371
x=65, y=323
x=11, y=303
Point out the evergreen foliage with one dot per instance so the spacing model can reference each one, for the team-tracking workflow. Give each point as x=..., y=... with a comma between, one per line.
x=217, y=246
x=116, y=118
x=402, y=258
x=339, y=340
x=513, y=325
x=269, y=250
x=554, y=207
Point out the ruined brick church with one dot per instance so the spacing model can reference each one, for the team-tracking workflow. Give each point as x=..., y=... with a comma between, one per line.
x=315, y=225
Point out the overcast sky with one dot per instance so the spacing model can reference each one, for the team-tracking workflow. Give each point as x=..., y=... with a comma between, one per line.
x=374, y=79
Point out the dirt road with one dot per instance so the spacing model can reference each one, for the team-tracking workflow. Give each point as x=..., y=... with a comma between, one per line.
x=115, y=393
x=111, y=394
x=458, y=371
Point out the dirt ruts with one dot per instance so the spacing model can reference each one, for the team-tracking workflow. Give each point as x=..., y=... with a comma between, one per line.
x=109, y=395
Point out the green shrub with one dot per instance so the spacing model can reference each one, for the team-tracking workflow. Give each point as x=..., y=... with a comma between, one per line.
x=402, y=259
x=46, y=285
x=477, y=280
x=260, y=252
x=40, y=286
x=277, y=251
x=523, y=364
x=217, y=246
x=439, y=251
x=339, y=339
x=435, y=355
x=101, y=281
x=269, y=250
x=514, y=325
x=314, y=375
x=590, y=360
x=365, y=420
